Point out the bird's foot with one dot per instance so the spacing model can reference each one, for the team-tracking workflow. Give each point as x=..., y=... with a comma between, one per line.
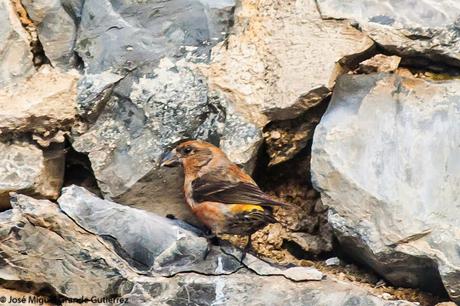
x=213, y=240
x=208, y=250
x=243, y=256
x=246, y=249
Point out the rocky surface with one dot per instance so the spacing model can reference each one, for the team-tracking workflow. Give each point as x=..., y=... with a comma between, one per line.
x=282, y=58
x=27, y=169
x=428, y=30
x=285, y=139
x=150, y=93
x=380, y=63
x=80, y=247
x=155, y=244
x=385, y=160
x=93, y=92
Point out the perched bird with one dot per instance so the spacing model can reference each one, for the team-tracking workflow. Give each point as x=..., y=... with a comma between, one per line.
x=220, y=194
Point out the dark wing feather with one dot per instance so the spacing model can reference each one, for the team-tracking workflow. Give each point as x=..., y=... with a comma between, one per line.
x=248, y=222
x=206, y=189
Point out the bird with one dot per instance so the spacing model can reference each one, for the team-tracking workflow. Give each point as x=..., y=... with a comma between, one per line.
x=220, y=194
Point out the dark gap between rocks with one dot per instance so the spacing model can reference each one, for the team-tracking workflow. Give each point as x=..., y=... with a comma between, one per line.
x=283, y=171
x=78, y=170
x=78, y=62
x=439, y=66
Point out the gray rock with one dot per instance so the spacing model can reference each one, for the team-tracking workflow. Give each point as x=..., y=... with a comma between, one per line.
x=43, y=246
x=428, y=29
x=194, y=289
x=27, y=169
x=15, y=55
x=263, y=268
x=385, y=158
x=56, y=29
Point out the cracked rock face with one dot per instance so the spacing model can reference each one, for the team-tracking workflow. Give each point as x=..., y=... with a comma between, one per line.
x=27, y=169
x=429, y=28
x=385, y=158
x=141, y=237
x=281, y=58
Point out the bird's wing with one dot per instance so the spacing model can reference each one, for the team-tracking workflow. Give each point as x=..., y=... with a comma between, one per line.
x=207, y=188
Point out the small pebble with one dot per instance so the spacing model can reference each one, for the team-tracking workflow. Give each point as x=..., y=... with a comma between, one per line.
x=387, y=296
x=333, y=261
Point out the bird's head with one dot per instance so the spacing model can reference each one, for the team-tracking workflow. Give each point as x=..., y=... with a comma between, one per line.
x=191, y=154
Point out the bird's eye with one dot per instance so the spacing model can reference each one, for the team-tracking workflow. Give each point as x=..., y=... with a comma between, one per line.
x=187, y=150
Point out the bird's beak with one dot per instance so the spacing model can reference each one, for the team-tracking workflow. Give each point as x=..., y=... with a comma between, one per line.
x=169, y=159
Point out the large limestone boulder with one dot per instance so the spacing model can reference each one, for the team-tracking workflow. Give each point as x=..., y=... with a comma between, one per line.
x=427, y=29
x=282, y=58
x=25, y=168
x=385, y=158
x=154, y=244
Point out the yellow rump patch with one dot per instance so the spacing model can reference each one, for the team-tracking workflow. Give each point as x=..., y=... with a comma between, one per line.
x=237, y=208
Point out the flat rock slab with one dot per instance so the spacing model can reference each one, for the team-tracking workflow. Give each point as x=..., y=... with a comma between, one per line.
x=43, y=246
x=143, y=238
x=235, y=289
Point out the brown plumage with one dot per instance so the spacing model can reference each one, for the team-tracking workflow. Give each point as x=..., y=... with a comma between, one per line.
x=221, y=195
